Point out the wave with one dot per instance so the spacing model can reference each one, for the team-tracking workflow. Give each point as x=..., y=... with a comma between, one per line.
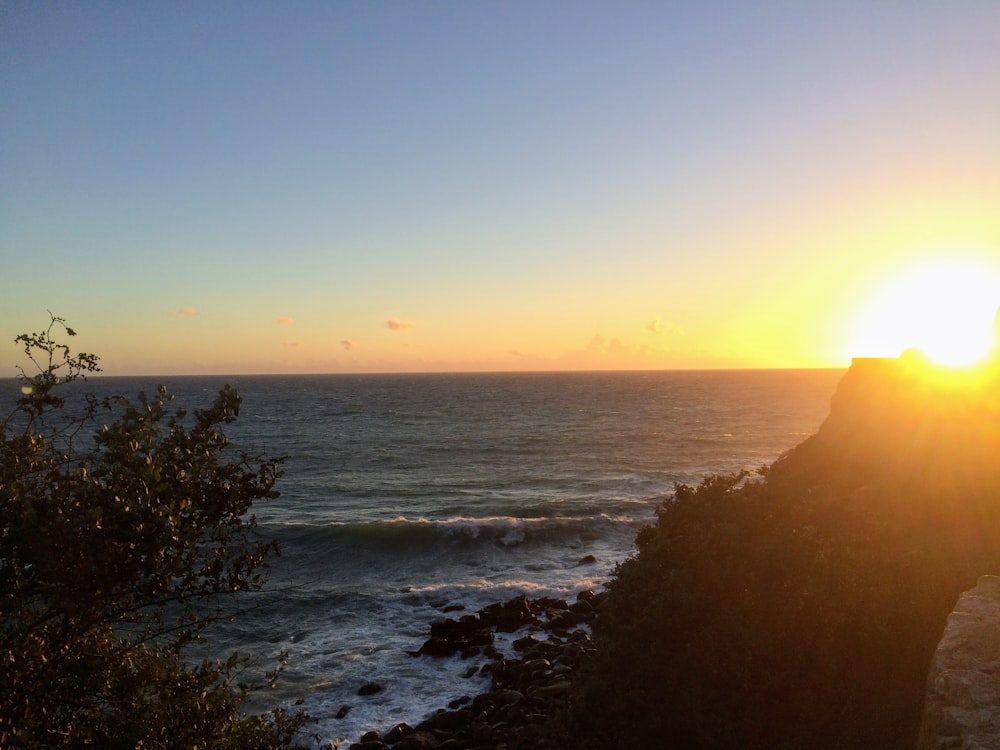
x=403, y=533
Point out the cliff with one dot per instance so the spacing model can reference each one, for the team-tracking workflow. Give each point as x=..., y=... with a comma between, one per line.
x=907, y=424
x=804, y=610
x=932, y=438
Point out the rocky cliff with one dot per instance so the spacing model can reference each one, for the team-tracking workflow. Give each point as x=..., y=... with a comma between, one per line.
x=919, y=447
x=906, y=423
x=804, y=609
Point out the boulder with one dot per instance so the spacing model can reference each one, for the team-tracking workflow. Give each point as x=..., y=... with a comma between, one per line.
x=449, y=720
x=398, y=732
x=418, y=740
x=466, y=635
x=962, y=705
x=508, y=616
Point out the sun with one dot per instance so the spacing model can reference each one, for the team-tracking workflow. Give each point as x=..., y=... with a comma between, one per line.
x=945, y=308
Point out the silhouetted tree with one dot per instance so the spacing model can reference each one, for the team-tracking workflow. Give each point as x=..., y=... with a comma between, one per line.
x=119, y=544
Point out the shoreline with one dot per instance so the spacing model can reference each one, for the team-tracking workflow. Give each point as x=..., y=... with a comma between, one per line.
x=528, y=686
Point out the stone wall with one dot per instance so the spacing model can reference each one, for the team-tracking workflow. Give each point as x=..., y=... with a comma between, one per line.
x=962, y=708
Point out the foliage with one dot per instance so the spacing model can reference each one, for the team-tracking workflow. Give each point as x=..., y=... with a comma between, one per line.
x=801, y=608
x=115, y=554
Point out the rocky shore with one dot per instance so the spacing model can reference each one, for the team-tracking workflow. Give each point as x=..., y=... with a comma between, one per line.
x=527, y=687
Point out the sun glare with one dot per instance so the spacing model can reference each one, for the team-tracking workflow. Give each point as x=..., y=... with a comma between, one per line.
x=945, y=309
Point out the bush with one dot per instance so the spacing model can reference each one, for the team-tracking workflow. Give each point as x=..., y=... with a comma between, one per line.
x=801, y=609
x=119, y=544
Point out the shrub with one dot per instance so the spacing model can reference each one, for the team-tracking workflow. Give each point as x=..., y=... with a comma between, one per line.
x=119, y=544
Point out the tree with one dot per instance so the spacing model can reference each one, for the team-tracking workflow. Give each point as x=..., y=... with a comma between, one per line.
x=115, y=554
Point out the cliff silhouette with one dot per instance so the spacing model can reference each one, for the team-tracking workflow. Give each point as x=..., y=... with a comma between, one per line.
x=804, y=609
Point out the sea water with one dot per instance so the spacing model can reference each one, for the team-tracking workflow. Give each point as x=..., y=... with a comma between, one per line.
x=406, y=496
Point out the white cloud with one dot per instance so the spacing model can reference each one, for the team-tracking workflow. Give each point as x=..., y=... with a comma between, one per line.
x=658, y=326
x=395, y=324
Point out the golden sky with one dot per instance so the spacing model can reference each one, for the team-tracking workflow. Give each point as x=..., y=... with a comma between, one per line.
x=511, y=186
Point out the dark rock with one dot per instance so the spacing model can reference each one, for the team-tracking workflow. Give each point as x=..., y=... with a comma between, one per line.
x=525, y=691
x=375, y=745
x=462, y=627
x=465, y=635
x=508, y=616
x=435, y=647
x=418, y=740
x=342, y=712
x=449, y=720
x=558, y=688
x=497, y=698
x=371, y=688
x=398, y=732
x=371, y=737
x=523, y=644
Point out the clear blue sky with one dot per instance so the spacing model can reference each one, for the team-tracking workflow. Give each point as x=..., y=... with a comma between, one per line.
x=353, y=186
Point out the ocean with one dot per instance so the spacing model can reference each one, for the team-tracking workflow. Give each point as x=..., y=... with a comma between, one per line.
x=408, y=495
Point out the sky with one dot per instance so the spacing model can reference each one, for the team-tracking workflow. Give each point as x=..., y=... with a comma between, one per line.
x=265, y=187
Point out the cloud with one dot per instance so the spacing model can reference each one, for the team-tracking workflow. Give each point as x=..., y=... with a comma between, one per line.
x=186, y=311
x=292, y=344
x=602, y=345
x=658, y=326
x=347, y=344
x=284, y=321
x=395, y=324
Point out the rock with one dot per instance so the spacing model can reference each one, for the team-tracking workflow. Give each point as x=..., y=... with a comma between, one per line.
x=496, y=698
x=523, y=644
x=371, y=737
x=508, y=616
x=587, y=560
x=342, y=712
x=418, y=740
x=465, y=635
x=398, y=732
x=558, y=688
x=524, y=693
x=371, y=688
x=962, y=705
x=449, y=720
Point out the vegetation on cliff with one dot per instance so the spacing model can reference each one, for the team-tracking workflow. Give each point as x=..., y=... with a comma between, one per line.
x=119, y=544
x=802, y=608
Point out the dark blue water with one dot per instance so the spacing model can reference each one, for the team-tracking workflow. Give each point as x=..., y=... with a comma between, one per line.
x=407, y=493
